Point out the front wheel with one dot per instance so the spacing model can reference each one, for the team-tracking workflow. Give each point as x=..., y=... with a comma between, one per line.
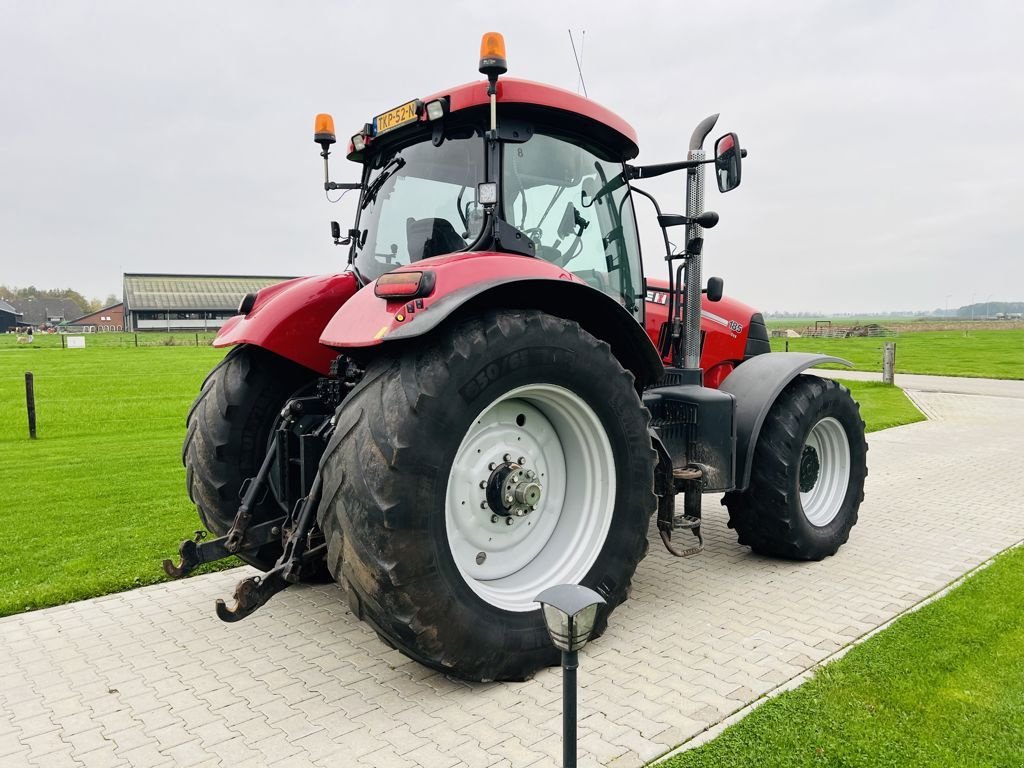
x=807, y=480
x=466, y=476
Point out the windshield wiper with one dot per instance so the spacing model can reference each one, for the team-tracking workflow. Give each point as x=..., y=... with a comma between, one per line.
x=389, y=170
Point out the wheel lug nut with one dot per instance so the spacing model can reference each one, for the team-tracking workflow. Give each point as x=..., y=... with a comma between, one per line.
x=522, y=459
x=509, y=521
x=483, y=505
x=531, y=474
x=507, y=457
x=483, y=483
x=492, y=466
x=494, y=518
x=508, y=499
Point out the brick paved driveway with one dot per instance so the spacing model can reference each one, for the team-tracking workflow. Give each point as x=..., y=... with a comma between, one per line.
x=152, y=678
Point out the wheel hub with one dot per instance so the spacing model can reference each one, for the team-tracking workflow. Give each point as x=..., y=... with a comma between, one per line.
x=810, y=468
x=513, y=490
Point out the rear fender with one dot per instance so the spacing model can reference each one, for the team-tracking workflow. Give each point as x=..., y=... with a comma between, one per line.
x=288, y=318
x=756, y=384
x=468, y=283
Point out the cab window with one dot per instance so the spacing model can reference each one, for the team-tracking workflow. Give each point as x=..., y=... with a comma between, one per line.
x=556, y=193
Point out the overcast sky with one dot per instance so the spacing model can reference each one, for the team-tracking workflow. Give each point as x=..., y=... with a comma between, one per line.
x=886, y=139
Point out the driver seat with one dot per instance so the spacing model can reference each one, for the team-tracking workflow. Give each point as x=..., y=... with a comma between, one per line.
x=431, y=237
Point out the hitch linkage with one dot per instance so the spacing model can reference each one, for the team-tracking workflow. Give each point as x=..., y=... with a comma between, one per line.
x=196, y=552
x=240, y=538
x=255, y=591
x=295, y=532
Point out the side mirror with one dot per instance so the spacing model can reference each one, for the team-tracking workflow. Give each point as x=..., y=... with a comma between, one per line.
x=715, y=289
x=728, y=157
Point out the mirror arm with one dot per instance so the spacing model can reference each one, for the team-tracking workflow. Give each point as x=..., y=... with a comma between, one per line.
x=329, y=185
x=649, y=171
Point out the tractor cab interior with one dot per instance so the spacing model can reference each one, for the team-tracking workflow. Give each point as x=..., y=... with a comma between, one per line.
x=420, y=200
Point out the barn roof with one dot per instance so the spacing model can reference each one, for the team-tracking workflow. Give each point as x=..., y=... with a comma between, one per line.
x=190, y=292
x=37, y=310
x=5, y=307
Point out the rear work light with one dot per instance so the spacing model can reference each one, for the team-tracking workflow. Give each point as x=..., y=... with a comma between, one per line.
x=404, y=285
x=435, y=110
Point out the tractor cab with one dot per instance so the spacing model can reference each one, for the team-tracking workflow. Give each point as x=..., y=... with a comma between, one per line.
x=426, y=196
x=449, y=174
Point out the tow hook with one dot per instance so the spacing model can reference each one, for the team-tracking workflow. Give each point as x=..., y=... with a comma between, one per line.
x=255, y=591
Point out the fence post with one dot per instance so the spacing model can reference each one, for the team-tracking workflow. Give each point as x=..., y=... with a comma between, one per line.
x=787, y=345
x=30, y=402
x=62, y=341
x=889, y=362
x=197, y=339
x=136, y=339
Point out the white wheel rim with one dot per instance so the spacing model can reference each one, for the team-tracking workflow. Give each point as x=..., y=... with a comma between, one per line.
x=564, y=444
x=824, y=473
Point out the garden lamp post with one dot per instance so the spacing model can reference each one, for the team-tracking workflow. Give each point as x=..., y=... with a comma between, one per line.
x=569, y=613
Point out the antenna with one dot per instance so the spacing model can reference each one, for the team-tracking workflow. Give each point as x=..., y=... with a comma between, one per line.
x=579, y=57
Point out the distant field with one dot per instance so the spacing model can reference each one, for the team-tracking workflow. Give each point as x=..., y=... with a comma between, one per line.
x=99, y=499
x=899, y=325
x=986, y=354
x=106, y=340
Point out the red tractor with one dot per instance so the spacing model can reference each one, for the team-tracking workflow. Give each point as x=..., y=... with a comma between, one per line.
x=491, y=399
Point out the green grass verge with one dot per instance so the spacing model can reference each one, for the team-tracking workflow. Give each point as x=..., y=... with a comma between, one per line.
x=985, y=354
x=883, y=405
x=941, y=687
x=96, y=502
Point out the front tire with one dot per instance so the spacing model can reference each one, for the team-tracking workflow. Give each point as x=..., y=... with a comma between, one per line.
x=807, y=480
x=433, y=435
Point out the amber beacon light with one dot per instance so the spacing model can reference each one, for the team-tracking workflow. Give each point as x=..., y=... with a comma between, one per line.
x=493, y=61
x=323, y=130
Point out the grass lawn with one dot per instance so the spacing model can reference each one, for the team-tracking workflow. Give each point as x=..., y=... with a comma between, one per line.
x=941, y=687
x=883, y=405
x=985, y=354
x=97, y=502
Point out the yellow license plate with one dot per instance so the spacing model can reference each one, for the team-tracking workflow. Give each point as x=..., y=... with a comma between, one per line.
x=396, y=118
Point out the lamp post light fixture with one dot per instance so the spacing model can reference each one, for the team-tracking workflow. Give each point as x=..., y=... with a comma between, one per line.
x=569, y=613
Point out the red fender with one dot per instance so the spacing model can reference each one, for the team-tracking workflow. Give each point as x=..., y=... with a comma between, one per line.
x=287, y=319
x=366, y=320
x=489, y=279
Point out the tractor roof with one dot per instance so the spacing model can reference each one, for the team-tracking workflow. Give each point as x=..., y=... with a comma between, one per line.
x=514, y=91
x=565, y=109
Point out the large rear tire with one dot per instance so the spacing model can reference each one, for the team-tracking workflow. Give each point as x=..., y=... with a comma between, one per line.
x=433, y=444
x=228, y=432
x=807, y=481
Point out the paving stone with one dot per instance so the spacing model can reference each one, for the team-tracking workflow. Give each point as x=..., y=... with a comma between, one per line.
x=151, y=678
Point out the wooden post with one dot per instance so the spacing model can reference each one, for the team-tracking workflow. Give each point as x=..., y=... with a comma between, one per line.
x=889, y=362
x=30, y=402
x=62, y=345
x=197, y=339
x=787, y=345
x=136, y=339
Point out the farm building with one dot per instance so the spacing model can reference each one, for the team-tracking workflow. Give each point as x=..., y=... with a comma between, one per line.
x=155, y=302
x=107, y=319
x=41, y=310
x=9, y=317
